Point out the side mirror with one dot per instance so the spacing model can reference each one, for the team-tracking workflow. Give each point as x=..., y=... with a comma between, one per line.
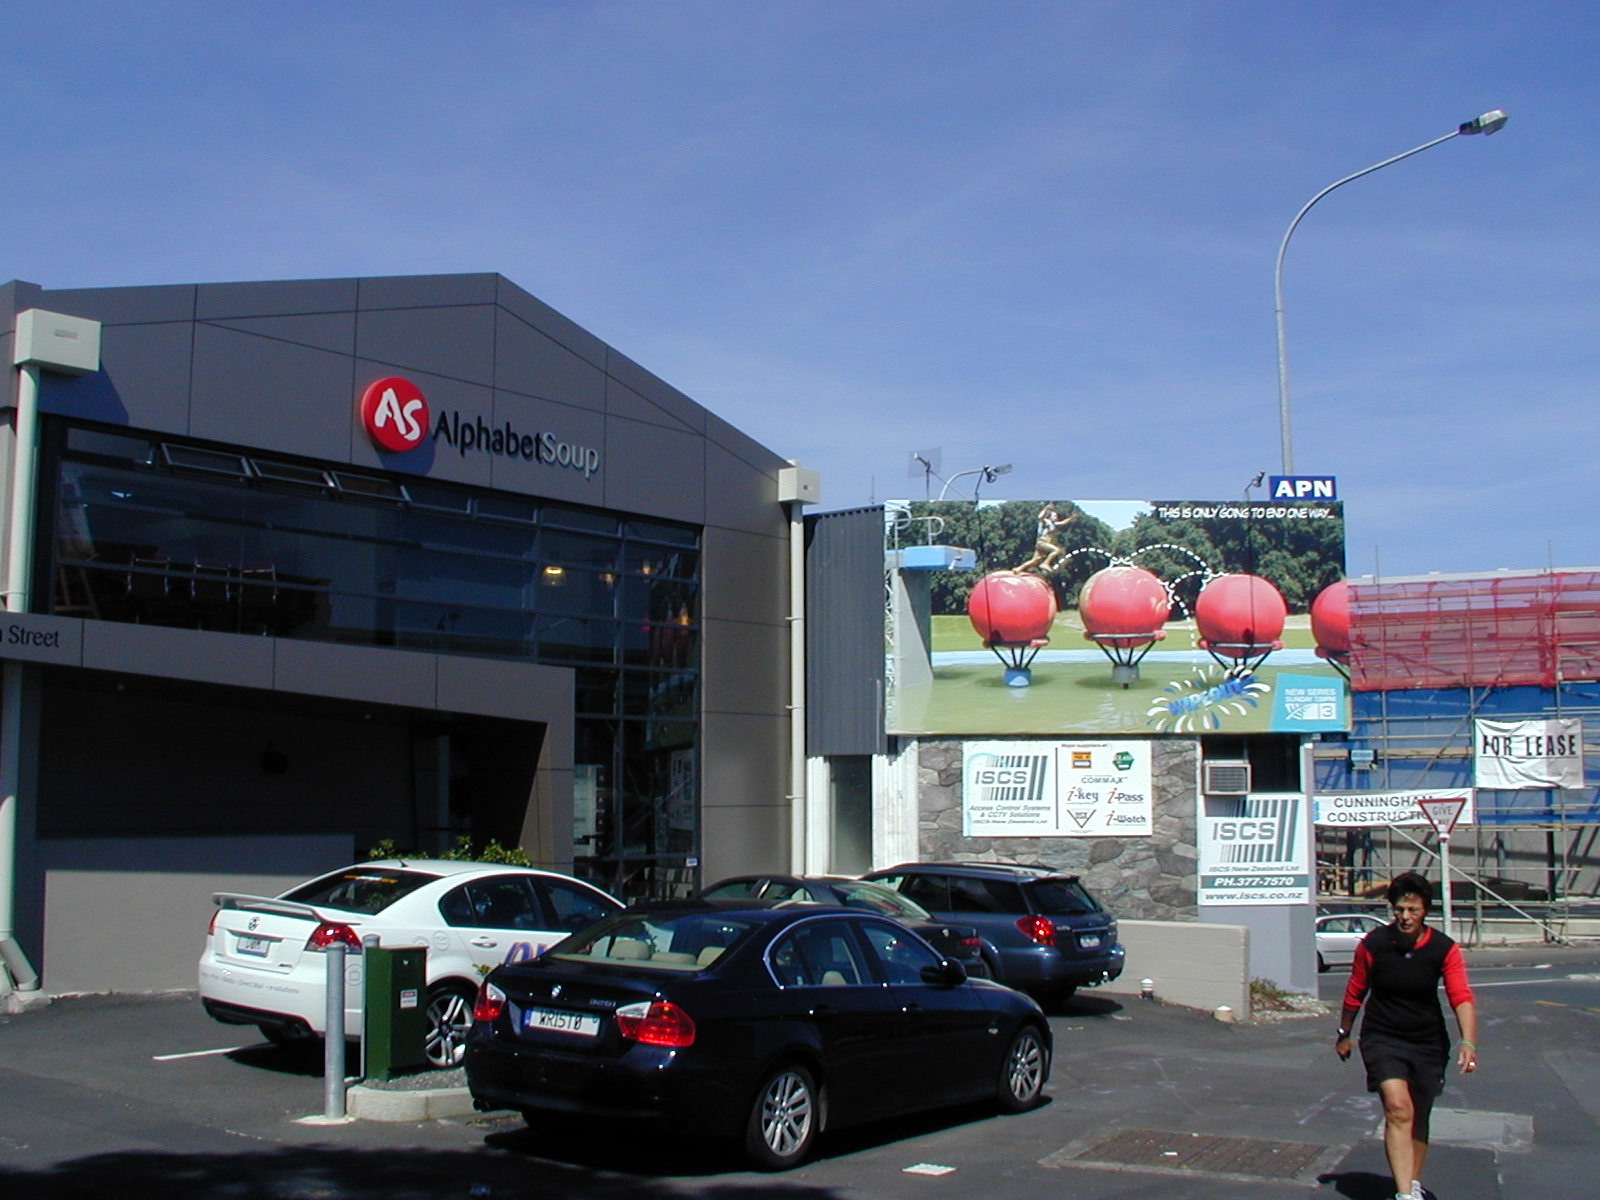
x=948, y=973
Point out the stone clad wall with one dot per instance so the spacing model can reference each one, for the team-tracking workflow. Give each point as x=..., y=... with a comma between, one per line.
x=1138, y=878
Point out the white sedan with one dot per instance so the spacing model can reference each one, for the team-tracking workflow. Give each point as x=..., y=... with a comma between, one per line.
x=1339, y=935
x=263, y=962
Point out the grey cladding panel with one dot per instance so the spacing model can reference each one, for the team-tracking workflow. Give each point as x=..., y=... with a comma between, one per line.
x=845, y=633
x=745, y=667
x=455, y=342
x=427, y=291
x=646, y=397
x=745, y=577
x=656, y=471
x=538, y=315
x=143, y=380
x=125, y=306
x=334, y=332
x=740, y=495
x=221, y=301
x=258, y=391
x=529, y=362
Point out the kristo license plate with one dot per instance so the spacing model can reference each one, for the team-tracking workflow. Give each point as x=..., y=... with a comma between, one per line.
x=581, y=1024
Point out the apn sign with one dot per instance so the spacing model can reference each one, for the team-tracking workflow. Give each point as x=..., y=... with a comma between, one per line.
x=1302, y=487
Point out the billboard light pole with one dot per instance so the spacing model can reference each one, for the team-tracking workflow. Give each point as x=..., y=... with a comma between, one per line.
x=1489, y=122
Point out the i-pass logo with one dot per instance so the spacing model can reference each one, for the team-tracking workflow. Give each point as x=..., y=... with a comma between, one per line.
x=395, y=413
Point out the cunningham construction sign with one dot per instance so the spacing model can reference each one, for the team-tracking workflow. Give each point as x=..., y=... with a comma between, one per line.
x=398, y=418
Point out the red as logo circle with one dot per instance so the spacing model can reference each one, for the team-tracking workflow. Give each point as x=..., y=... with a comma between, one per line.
x=395, y=413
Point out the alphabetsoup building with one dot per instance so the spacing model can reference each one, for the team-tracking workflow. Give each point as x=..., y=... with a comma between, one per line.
x=305, y=566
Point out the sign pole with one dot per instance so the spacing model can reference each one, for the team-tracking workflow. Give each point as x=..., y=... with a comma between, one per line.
x=1444, y=863
x=1443, y=812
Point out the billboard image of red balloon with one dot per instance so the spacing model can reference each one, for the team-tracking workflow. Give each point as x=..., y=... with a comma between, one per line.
x=1121, y=617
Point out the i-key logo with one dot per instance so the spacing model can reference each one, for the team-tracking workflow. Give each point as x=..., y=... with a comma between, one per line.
x=395, y=414
x=1302, y=487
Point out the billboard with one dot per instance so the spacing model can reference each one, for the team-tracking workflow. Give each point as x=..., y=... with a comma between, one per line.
x=1056, y=789
x=1022, y=617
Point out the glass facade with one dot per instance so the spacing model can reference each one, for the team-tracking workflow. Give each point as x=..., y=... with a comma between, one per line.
x=154, y=531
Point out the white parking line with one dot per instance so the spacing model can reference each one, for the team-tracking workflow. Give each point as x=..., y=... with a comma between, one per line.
x=194, y=1054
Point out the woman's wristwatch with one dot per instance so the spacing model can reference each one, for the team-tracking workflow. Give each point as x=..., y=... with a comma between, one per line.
x=1343, y=1033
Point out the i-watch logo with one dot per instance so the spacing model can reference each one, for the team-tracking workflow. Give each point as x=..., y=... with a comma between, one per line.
x=396, y=416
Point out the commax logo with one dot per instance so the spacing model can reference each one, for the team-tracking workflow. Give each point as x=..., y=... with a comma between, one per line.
x=395, y=413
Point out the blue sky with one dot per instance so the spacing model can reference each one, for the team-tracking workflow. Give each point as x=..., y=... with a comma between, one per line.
x=1026, y=232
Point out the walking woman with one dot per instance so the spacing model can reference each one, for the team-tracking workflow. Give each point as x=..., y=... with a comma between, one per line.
x=1404, y=1043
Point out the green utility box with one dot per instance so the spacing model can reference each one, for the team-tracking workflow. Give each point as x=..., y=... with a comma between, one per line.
x=395, y=1032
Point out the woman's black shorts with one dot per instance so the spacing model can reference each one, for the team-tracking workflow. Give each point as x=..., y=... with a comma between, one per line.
x=1423, y=1064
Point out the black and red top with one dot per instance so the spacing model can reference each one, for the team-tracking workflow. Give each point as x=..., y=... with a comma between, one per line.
x=1403, y=981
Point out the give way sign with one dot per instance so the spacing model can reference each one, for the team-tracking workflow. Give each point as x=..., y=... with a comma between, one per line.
x=1442, y=812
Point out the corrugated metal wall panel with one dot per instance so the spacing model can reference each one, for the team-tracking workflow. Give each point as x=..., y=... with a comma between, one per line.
x=844, y=633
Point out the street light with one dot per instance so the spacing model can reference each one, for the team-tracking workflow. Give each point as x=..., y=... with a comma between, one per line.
x=990, y=474
x=1489, y=122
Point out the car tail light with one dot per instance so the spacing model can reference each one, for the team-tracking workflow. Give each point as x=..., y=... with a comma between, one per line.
x=490, y=1004
x=656, y=1023
x=329, y=932
x=211, y=929
x=1040, y=929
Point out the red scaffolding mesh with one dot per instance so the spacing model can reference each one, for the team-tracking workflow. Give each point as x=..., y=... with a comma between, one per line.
x=1531, y=628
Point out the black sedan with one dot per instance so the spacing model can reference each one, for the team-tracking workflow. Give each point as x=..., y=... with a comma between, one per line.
x=747, y=1020
x=952, y=941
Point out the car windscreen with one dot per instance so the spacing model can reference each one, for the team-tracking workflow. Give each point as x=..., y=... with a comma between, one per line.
x=360, y=889
x=874, y=897
x=657, y=941
x=1062, y=898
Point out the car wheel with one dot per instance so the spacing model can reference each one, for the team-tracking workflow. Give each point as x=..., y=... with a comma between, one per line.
x=449, y=1019
x=783, y=1120
x=1321, y=966
x=1022, y=1073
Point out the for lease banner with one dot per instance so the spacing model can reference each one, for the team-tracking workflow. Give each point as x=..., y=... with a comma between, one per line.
x=1056, y=789
x=1348, y=810
x=1516, y=755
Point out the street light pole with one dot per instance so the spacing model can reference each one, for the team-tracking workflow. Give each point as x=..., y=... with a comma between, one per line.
x=1489, y=122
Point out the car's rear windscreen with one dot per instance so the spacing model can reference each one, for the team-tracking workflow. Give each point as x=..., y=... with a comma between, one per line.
x=359, y=889
x=1062, y=898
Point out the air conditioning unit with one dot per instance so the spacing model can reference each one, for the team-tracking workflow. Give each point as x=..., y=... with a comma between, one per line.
x=1223, y=777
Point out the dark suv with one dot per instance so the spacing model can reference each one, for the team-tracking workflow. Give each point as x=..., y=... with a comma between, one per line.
x=1043, y=931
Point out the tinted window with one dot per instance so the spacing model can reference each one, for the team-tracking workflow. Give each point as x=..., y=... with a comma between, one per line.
x=574, y=906
x=900, y=955
x=500, y=902
x=735, y=889
x=819, y=954
x=359, y=890
x=1062, y=898
x=930, y=891
x=985, y=896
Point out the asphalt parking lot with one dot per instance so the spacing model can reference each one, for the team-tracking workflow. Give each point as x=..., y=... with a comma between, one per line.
x=145, y=1096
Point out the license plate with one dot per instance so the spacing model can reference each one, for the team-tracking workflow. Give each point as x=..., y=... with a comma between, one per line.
x=1090, y=941
x=255, y=947
x=561, y=1022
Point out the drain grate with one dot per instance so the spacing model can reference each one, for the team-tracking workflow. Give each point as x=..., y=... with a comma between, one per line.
x=1200, y=1153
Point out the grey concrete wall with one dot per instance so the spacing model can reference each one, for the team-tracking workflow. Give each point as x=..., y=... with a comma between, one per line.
x=1145, y=878
x=130, y=914
x=1190, y=963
